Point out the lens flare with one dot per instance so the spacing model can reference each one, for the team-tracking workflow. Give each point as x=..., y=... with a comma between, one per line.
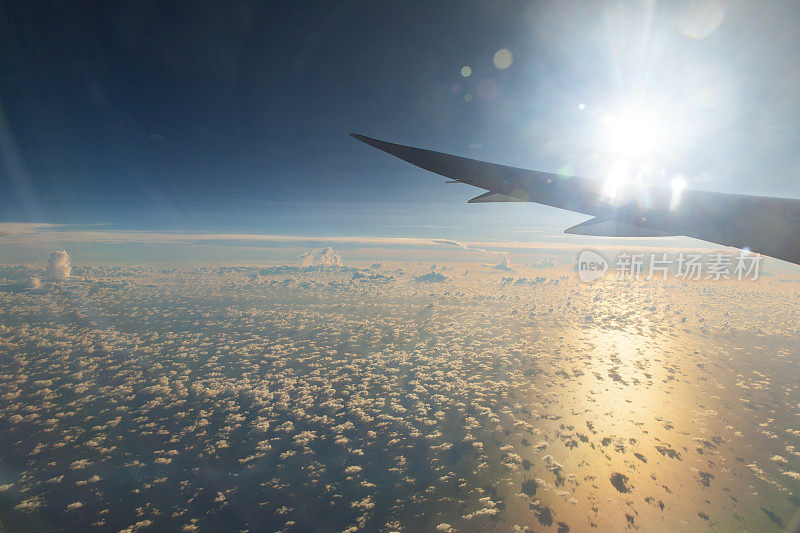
x=615, y=180
x=678, y=185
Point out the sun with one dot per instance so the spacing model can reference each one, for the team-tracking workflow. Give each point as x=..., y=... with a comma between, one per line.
x=631, y=142
x=633, y=134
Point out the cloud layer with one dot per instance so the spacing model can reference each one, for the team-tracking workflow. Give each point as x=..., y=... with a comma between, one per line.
x=525, y=397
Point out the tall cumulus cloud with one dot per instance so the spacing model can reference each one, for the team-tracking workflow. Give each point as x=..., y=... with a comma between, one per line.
x=58, y=267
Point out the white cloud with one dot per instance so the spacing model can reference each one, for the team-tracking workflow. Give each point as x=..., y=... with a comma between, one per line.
x=321, y=257
x=24, y=228
x=503, y=265
x=29, y=505
x=42, y=234
x=450, y=242
x=58, y=267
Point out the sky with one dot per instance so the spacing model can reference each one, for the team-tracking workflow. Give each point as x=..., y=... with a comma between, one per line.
x=230, y=118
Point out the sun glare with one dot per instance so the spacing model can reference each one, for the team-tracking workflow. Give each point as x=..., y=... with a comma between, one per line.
x=677, y=185
x=631, y=140
x=632, y=134
x=616, y=178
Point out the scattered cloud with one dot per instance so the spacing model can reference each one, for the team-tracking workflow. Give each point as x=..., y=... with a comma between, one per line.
x=343, y=425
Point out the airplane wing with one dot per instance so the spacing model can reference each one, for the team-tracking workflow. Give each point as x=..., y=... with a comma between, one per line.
x=762, y=224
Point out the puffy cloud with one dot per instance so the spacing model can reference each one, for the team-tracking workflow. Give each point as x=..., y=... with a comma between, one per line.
x=79, y=464
x=432, y=277
x=137, y=526
x=29, y=505
x=304, y=438
x=503, y=265
x=321, y=257
x=34, y=283
x=58, y=267
x=366, y=503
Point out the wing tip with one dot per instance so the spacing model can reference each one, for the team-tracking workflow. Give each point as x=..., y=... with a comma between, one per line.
x=357, y=136
x=387, y=147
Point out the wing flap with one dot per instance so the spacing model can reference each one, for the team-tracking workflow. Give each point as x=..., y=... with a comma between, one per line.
x=613, y=228
x=492, y=196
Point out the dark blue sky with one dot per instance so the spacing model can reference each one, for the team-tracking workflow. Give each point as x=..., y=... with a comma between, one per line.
x=231, y=117
x=186, y=111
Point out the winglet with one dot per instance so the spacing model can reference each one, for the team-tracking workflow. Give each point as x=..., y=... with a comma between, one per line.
x=362, y=138
x=390, y=148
